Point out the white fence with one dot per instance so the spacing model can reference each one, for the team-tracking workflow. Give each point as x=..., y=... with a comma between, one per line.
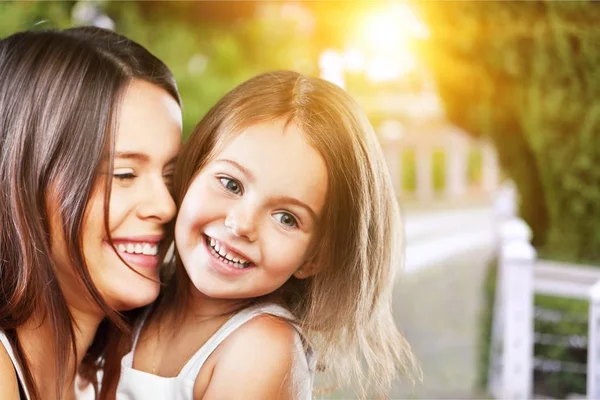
x=520, y=277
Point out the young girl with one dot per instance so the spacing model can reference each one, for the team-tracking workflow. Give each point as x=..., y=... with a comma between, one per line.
x=288, y=236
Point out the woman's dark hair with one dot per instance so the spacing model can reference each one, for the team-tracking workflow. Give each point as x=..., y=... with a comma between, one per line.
x=60, y=92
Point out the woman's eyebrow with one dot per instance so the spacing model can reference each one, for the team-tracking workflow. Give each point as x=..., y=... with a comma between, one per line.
x=130, y=155
x=172, y=161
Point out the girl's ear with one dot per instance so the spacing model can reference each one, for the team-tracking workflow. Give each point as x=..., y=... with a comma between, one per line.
x=307, y=269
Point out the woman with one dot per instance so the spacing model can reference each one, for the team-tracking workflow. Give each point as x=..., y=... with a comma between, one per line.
x=90, y=125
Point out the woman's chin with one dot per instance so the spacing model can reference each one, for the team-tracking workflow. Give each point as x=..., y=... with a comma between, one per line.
x=136, y=297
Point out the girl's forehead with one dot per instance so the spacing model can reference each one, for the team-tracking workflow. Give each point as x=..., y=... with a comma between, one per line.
x=278, y=158
x=267, y=142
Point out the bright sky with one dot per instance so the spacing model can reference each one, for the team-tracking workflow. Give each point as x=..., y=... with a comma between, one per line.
x=381, y=46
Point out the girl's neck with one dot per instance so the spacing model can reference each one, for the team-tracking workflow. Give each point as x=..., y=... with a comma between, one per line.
x=202, y=306
x=190, y=306
x=37, y=341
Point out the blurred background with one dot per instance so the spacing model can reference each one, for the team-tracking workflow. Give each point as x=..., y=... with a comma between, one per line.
x=488, y=113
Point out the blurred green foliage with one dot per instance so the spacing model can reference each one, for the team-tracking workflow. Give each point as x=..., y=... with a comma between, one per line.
x=438, y=168
x=408, y=170
x=17, y=16
x=475, y=166
x=560, y=385
x=208, y=58
x=527, y=75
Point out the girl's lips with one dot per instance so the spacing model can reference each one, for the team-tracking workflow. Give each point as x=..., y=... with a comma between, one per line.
x=232, y=250
x=217, y=265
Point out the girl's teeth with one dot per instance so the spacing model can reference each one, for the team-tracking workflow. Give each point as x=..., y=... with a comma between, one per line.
x=217, y=248
x=121, y=247
x=138, y=248
x=130, y=248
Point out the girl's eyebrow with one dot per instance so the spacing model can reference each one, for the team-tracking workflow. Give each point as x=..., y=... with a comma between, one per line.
x=296, y=202
x=242, y=169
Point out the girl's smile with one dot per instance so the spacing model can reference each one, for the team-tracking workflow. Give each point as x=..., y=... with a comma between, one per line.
x=224, y=260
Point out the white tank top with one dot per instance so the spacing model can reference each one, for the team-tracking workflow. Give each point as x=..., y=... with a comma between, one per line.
x=86, y=393
x=138, y=385
x=13, y=358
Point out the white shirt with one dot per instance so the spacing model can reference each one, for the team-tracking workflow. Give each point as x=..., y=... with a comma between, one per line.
x=138, y=385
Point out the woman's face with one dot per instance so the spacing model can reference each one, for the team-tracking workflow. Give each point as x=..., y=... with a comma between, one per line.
x=148, y=139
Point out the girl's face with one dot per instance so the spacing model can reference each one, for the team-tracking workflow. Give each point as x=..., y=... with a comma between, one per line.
x=147, y=141
x=248, y=217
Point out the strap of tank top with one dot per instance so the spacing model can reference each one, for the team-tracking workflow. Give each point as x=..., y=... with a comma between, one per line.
x=191, y=369
x=23, y=394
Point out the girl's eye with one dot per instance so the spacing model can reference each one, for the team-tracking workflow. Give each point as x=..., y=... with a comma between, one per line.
x=286, y=219
x=231, y=185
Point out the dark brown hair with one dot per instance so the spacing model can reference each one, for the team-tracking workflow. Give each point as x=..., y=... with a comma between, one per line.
x=345, y=308
x=59, y=96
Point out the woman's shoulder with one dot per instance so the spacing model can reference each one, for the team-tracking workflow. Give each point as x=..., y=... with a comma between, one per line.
x=9, y=384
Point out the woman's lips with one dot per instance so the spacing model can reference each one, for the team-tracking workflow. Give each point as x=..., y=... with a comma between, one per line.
x=139, y=251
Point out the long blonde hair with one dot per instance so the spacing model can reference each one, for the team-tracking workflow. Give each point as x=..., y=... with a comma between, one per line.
x=345, y=309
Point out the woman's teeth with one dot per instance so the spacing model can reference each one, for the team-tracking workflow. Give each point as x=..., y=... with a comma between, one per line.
x=226, y=256
x=138, y=248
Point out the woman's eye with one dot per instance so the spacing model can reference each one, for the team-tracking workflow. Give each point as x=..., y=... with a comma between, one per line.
x=124, y=176
x=286, y=219
x=168, y=178
x=231, y=185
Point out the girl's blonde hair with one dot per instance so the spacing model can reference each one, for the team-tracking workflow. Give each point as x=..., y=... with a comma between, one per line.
x=345, y=309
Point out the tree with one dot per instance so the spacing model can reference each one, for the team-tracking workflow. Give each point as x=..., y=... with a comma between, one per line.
x=210, y=58
x=527, y=75
x=18, y=16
